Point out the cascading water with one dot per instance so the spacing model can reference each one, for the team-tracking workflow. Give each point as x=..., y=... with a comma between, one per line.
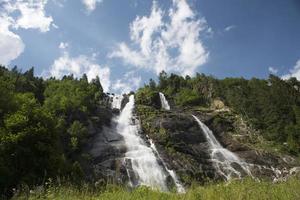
x=225, y=161
x=164, y=103
x=144, y=164
x=177, y=183
x=116, y=101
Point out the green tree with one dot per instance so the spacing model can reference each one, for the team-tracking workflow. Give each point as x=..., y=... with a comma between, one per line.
x=97, y=83
x=152, y=84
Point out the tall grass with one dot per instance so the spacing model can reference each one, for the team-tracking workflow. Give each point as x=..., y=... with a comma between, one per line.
x=236, y=190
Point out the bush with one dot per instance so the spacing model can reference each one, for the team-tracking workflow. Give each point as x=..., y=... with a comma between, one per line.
x=188, y=97
x=148, y=97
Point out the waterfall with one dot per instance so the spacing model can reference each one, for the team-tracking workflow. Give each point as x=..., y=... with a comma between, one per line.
x=116, y=101
x=164, y=103
x=225, y=161
x=144, y=164
x=173, y=175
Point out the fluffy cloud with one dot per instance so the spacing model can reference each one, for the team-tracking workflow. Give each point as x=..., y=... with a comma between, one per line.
x=295, y=72
x=66, y=65
x=32, y=14
x=11, y=45
x=166, y=41
x=273, y=70
x=129, y=82
x=15, y=14
x=90, y=5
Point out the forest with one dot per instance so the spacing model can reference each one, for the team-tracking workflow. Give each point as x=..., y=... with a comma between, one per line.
x=43, y=126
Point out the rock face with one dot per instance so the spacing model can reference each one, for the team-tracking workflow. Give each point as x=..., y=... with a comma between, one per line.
x=107, y=152
x=185, y=149
x=182, y=145
x=218, y=104
x=124, y=101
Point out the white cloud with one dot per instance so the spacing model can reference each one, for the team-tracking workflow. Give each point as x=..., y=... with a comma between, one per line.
x=63, y=45
x=129, y=82
x=229, y=28
x=273, y=70
x=295, y=72
x=11, y=45
x=90, y=5
x=166, y=41
x=32, y=14
x=66, y=65
x=15, y=14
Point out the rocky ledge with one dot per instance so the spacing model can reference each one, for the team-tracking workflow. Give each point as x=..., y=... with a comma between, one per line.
x=184, y=148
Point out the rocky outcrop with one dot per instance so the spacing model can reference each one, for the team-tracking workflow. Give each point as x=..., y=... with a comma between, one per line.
x=184, y=148
x=181, y=145
x=124, y=101
x=107, y=154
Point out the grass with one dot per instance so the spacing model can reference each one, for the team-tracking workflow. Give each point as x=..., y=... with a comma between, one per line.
x=236, y=190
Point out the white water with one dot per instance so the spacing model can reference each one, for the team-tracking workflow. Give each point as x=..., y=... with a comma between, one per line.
x=117, y=101
x=164, y=103
x=143, y=161
x=223, y=159
x=178, y=184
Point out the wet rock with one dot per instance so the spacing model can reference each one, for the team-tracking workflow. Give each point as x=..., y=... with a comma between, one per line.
x=131, y=175
x=92, y=130
x=125, y=100
x=184, y=148
x=115, y=111
x=107, y=154
x=181, y=129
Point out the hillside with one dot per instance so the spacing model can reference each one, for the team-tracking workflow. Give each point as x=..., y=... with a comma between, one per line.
x=255, y=119
x=170, y=135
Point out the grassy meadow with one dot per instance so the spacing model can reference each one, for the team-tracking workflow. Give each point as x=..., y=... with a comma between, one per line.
x=235, y=190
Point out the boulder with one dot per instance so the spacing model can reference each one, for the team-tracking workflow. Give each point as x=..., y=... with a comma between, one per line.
x=217, y=104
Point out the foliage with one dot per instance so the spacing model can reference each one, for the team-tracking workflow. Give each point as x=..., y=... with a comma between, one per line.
x=246, y=190
x=147, y=96
x=78, y=133
x=188, y=97
x=42, y=124
x=68, y=96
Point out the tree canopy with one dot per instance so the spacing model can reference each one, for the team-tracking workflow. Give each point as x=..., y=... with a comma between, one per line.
x=42, y=124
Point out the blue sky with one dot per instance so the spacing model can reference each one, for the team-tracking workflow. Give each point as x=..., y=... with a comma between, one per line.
x=126, y=42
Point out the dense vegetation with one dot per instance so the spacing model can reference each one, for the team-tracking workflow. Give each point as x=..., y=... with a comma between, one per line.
x=44, y=126
x=237, y=190
x=272, y=106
